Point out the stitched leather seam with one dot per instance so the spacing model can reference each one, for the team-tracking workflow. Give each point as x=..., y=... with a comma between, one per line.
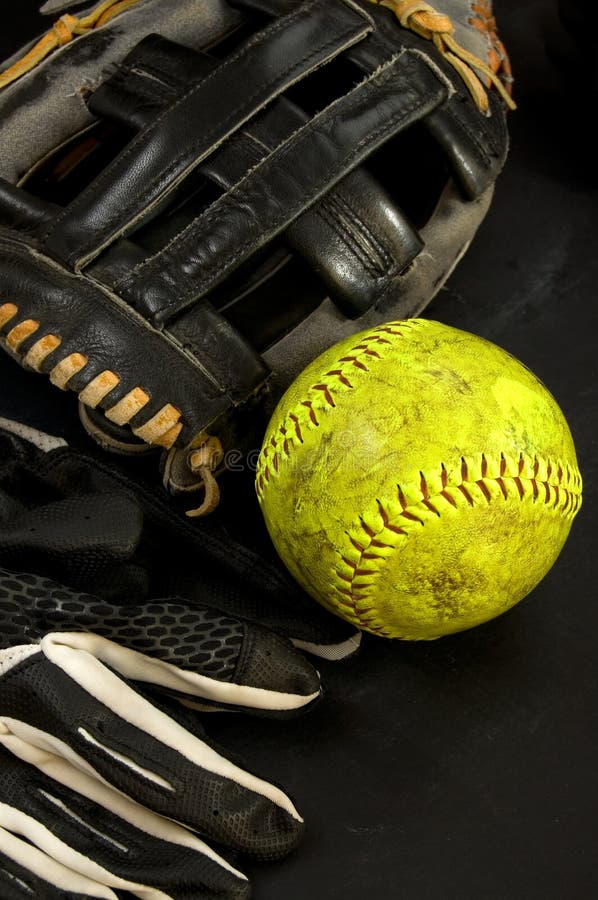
x=165, y=173
x=320, y=396
x=147, y=86
x=281, y=153
x=344, y=198
x=455, y=111
x=154, y=261
x=372, y=248
x=390, y=523
x=130, y=149
x=333, y=217
x=188, y=234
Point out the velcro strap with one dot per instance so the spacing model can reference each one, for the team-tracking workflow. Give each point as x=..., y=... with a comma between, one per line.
x=235, y=226
x=160, y=156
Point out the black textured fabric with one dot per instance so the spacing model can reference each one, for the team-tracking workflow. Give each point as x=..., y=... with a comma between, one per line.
x=17, y=883
x=41, y=694
x=194, y=638
x=31, y=606
x=103, y=837
x=141, y=546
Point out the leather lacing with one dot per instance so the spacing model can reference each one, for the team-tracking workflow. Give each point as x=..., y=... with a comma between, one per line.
x=484, y=21
x=61, y=33
x=415, y=15
x=161, y=430
x=202, y=459
x=437, y=27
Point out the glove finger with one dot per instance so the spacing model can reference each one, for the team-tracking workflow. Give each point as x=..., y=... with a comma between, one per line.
x=288, y=612
x=215, y=657
x=63, y=699
x=206, y=563
x=78, y=535
x=279, y=606
x=78, y=823
x=27, y=872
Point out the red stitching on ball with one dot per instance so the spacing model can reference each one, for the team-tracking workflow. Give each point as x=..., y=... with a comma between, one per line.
x=341, y=377
x=381, y=544
x=360, y=616
x=519, y=487
x=502, y=487
x=448, y=497
x=368, y=529
x=312, y=412
x=465, y=493
x=412, y=518
x=327, y=395
x=356, y=544
x=386, y=330
x=295, y=421
x=402, y=498
x=484, y=489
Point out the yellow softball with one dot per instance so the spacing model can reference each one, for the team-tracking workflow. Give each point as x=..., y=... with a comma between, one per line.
x=418, y=480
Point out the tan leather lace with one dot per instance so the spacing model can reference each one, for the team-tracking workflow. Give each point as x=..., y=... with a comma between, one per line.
x=203, y=461
x=483, y=20
x=423, y=19
x=61, y=33
x=416, y=15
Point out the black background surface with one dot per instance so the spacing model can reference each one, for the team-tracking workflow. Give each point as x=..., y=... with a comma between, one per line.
x=464, y=768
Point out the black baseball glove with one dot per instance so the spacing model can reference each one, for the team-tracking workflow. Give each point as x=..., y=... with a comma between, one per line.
x=197, y=193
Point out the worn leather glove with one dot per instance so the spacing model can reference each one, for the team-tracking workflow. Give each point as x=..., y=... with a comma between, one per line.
x=195, y=200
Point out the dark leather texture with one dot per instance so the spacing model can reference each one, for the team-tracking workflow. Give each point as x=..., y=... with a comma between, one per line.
x=248, y=155
x=187, y=132
x=91, y=321
x=355, y=236
x=273, y=193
